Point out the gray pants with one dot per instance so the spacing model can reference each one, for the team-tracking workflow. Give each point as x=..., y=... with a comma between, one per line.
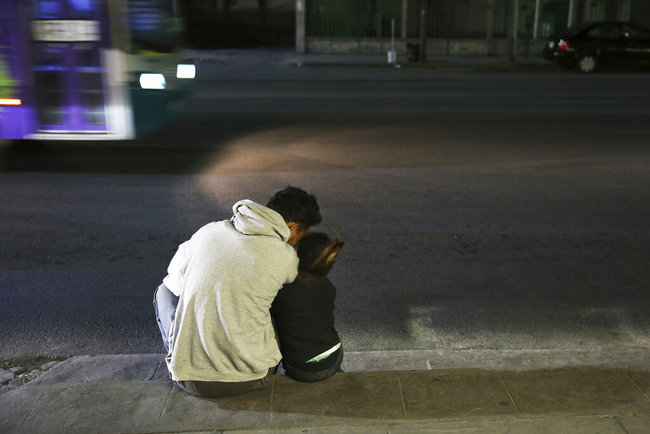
x=164, y=304
x=215, y=389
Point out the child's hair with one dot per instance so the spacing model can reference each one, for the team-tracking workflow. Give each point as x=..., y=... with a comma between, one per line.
x=317, y=253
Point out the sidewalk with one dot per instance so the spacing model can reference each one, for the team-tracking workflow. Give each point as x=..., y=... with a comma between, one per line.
x=271, y=57
x=132, y=393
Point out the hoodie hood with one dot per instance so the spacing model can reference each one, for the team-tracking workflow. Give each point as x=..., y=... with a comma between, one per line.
x=251, y=218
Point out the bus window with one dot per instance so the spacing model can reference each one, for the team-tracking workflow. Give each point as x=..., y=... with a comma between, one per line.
x=153, y=26
x=68, y=72
x=47, y=9
x=50, y=77
x=89, y=72
x=77, y=9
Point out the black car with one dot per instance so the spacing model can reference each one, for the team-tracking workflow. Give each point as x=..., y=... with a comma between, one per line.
x=591, y=45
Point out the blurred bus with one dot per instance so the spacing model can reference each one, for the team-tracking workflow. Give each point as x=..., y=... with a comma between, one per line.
x=90, y=69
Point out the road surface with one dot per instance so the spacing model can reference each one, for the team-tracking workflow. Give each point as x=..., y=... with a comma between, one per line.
x=482, y=209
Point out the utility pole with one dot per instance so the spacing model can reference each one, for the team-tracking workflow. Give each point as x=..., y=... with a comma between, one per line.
x=424, y=15
x=489, y=26
x=300, y=27
x=404, y=18
x=569, y=22
x=513, y=25
x=261, y=7
x=536, y=20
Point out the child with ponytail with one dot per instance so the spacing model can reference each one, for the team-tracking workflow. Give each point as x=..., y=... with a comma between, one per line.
x=303, y=312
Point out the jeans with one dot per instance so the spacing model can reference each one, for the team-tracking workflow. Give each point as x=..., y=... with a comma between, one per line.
x=164, y=305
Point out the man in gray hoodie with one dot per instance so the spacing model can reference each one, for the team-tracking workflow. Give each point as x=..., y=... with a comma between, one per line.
x=213, y=306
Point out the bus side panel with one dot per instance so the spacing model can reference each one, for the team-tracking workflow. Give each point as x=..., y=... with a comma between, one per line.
x=17, y=116
x=152, y=109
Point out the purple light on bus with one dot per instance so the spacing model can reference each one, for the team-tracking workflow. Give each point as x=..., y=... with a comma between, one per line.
x=65, y=75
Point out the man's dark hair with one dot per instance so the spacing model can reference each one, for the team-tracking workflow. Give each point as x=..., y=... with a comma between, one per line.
x=296, y=205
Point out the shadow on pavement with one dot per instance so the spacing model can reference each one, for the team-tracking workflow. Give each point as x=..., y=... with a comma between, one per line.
x=579, y=391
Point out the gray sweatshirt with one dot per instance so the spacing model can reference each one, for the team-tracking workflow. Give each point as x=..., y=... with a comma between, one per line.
x=227, y=276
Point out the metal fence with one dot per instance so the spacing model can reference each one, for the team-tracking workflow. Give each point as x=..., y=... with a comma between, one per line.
x=373, y=18
x=351, y=18
x=461, y=19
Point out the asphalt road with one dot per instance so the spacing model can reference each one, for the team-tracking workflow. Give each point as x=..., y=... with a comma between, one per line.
x=482, y=209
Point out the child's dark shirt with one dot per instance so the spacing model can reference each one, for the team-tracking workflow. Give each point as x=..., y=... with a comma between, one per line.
x=304, y=318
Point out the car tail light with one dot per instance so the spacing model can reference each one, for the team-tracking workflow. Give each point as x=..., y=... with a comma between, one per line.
x=563, y=45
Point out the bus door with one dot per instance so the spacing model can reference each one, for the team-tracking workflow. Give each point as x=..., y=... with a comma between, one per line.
x=67, y=37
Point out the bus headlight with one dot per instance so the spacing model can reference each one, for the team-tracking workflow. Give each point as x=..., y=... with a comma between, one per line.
x=185, y=71
x=152, y=81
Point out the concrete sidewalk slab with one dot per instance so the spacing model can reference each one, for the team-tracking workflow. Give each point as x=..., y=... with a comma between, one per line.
x=131, y=393
x=578, y=391
x=114, y=406
x=106, y=367
x=455, y=393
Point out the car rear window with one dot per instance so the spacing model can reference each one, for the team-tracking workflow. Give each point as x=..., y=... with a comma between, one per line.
x=604, y=31
x=574, y=30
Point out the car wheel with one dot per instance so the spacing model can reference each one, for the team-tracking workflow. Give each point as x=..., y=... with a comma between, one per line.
x=587, y=63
